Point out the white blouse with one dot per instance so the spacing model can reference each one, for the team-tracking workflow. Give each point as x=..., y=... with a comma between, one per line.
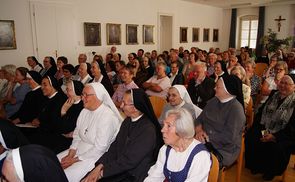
x=198, y=171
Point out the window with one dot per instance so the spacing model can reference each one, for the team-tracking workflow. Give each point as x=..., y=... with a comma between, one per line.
x=248, y=31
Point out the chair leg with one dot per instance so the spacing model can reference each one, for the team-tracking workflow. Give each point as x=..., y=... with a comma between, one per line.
x=222, y=175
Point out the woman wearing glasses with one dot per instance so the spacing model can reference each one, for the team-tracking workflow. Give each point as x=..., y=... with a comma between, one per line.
x=97, y=127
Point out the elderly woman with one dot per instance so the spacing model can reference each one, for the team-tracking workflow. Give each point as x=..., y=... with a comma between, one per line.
x=270, y=83
x=270, y=141
x=100, y=76
x=97, y=127
x=34, y=64
x=255, y=80
x=32, y=163
x=50, y=67
x=84, y=77
x=223, y=119
x=182, y=158
x=34, y=101
x=68, y=72
x=71, y=108
x=136, y=146
x=159, y=84
x=240, y=72
x=219, y=70
x=178, y=97
x=15, y=97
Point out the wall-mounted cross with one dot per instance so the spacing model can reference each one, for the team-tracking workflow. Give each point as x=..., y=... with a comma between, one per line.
x=279, y=22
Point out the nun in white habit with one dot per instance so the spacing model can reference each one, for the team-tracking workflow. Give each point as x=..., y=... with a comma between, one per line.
x=178, y=97
x=97, y=127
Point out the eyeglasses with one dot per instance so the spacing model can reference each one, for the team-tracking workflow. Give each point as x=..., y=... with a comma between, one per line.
x=125, y=104
x=86, y=95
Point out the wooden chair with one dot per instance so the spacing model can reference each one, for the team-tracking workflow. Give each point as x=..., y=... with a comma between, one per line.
x=158, y=104
x=285, y=172
x=213, y=174
x=239, y=164
x=249, y=114
x=259, y=69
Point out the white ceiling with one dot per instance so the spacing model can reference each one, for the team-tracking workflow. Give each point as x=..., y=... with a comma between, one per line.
x=241, y=3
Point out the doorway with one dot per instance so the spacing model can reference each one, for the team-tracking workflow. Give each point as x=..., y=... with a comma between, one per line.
x=165, y=32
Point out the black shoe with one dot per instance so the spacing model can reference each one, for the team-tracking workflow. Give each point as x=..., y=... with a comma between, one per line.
x=268, y=177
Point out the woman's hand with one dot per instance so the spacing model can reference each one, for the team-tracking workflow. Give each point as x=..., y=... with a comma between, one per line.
x=95, y=174
x=268, y=138
x=68, y=161
x=201, y=135
x=36, y=122
x=67, y=106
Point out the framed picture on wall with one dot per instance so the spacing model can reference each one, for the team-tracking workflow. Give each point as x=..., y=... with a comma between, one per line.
x=195, y=34
x=113, y=34
x=92, y=34
x=7, y=34
x=183, y=35
x=148, y=34
x=206, y=32
x=131, y=34
x=215, y=35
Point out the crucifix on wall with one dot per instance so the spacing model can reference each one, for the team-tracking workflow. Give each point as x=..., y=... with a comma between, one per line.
x=279, y=22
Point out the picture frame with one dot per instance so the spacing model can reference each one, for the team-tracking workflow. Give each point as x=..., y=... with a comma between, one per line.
x=7, y=35
x=92, y=34
x=206, y=35
x=183, y=35
x=113, y=34
x=148, y=34
x=195, y=34
x=131, y=34
x=215, y=35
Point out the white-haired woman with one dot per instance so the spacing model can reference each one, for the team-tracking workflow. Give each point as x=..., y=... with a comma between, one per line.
x=182, y=158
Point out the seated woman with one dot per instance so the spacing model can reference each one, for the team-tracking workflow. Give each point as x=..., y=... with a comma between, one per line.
x=34, y=64
x=126, y=76
x=68, y=72
x=255, y=81
x=34, y=101
x=240, y=72
x=223, y=119
x=15, y=97
x=270, y=141
x=178, y=97
x=10, y=138
x=32, y=163
x=84, y=77
x=50, y=67
x=136, y=145
x=100, y=76
x=219, y=70
x=48, y=122
x=158, y=84
x=182, y=158
x=71, y=108
x=270, y=83
x=97, y=126
x=145, y=72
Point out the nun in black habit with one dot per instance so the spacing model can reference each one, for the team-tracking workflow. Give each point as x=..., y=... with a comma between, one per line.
x=223, y=119
x=34, y=101
x=48, y=123
x=136, y=146
x=33, y=163
x=10, y=138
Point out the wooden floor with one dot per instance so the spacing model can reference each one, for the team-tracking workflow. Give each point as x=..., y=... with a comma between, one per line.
x=248, y=177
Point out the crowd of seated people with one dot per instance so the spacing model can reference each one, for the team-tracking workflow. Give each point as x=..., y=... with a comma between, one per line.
x=77, y=112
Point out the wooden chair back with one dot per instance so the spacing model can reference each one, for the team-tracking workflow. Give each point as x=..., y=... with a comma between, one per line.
x=214, y=171
x=249, y=114
x=259, y=69
x=158, y=104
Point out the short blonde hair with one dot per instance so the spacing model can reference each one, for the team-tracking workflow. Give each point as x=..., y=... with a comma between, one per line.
x=9, y=68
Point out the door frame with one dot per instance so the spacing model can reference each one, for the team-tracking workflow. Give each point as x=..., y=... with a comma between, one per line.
x=159, y=28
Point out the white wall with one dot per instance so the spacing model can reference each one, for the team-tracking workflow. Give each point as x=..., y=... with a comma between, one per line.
x=271, y=12
x=124, y=12
x=19, y=12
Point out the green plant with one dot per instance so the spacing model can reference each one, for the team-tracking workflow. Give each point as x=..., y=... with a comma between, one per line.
x=272, y=44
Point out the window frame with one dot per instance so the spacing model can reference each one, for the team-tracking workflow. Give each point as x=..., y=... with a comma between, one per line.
x=246, y=18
